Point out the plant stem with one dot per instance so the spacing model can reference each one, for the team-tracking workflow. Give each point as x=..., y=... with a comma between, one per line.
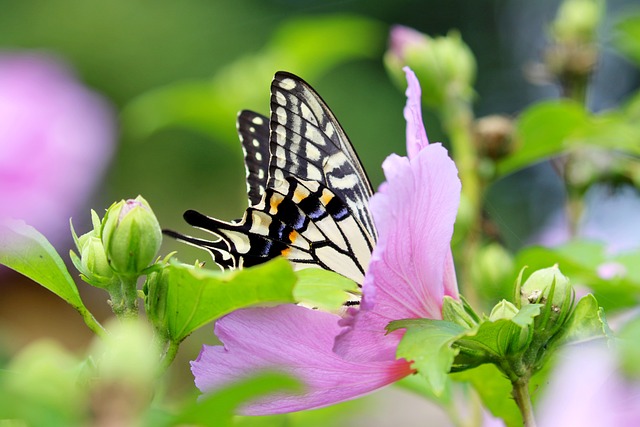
x=458, y=121
x=523, y=400
x=169, y=356
x=93, y=324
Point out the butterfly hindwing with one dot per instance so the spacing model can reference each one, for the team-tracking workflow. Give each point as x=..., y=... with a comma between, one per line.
x=253, y=129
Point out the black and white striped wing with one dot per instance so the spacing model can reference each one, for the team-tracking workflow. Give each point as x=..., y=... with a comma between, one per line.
x=303, y=221
x=253, y=130
x=307, y=142
x=308, y=193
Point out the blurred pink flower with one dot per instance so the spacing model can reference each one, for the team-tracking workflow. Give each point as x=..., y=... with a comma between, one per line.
x=588, y=390
x=411, y=270
x=56, y=138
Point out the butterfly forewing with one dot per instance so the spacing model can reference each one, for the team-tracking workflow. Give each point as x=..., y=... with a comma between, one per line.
x=306, y=141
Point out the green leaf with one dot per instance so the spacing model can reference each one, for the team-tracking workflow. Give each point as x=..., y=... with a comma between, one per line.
x=553, y=127
x=627, y=37
x=494, y=390
x=25, y=250
x=196, y=296
x=587, y=322
x=427, y=343
x=323, y=289
x=542, y=130
x=305, y=46
x=218, y=408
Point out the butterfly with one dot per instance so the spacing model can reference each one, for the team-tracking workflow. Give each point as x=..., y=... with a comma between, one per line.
x=307, y=191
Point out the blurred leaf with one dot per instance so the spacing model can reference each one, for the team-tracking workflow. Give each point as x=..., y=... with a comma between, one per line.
x=25, y=250
x=579, y=260
x=196, y=296
x=218, y=408
x=40, y=388
x=427, y=343
x=494, y=390
x=553, y=127
x=323, y=289
x=542, y=130
x=627, y=37
x=305, y=46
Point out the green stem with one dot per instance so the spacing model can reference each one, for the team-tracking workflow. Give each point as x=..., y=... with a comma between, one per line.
x=124, y=298
x=169, y=356
x=458, y=121
x=523, y=400
x=93, y=324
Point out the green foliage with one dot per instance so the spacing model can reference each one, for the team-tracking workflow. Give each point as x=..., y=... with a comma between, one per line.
x=428, y=343
x=181, y=298
x=324, y=289
x=25, y=250
x=218, y=409
x=305, y=46
x=627, y=37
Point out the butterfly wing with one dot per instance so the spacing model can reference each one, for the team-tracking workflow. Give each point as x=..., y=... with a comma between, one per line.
x=311, y=206
x=307, y=142
x=301, y=220
x=253, y=129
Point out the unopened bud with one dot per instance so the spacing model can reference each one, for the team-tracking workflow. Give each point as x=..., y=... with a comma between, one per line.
x=131, y=236
x=445, y=66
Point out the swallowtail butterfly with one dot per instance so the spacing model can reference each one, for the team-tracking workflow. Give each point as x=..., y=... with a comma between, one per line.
x=308, y=192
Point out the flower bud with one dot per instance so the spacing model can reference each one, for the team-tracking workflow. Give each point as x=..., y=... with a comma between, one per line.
x=131, y=236
x=494, y=136
x=552, y=289
x=445, y=66
x=492, y=271
x=92, y=262
x=155, y=303
x=577, y=21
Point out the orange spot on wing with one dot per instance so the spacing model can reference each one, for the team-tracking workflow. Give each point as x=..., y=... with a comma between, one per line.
x=326, y=197
x=274, y=202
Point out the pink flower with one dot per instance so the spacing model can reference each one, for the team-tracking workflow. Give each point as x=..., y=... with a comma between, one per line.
x=411, y=270
x=588, y=389
x=56, y=138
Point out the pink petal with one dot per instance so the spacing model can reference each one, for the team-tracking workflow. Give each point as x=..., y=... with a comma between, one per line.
x=56, y=139
x=588, y=389
x=411, y=267
x=295, y=340
x=416, y=135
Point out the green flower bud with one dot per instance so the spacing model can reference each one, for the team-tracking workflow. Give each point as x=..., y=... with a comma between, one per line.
x=445, y=66
x=503, y=310
x=127, y=362
x=131, y=236
x=492, y=271
x=577, y=21
x=155, y=303
x=552, y=289
x=92, y=262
